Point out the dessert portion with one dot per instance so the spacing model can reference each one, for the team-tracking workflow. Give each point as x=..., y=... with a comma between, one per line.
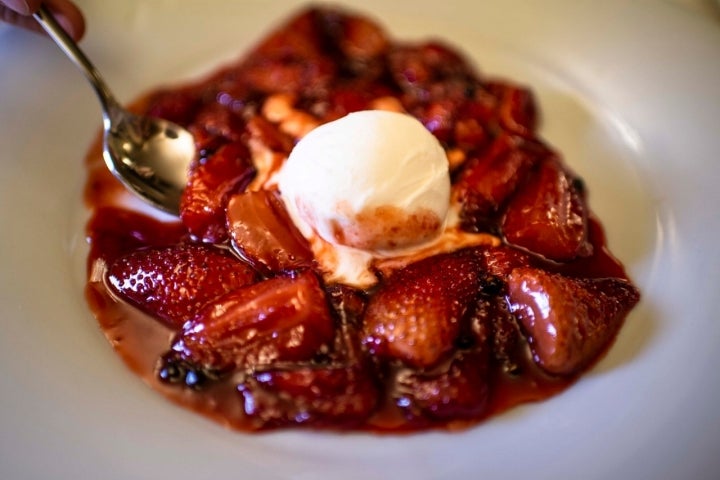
x=374, y=236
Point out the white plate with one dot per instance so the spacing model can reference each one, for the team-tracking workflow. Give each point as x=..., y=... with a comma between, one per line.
x=630, y=93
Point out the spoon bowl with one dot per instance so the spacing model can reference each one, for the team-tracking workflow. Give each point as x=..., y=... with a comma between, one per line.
x=150, y=156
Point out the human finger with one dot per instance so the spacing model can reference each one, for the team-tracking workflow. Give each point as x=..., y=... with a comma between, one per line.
x=68, y=15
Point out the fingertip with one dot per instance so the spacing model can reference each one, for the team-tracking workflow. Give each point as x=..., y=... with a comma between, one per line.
x=18, y=6
x=32, y=5
x=75, y=27
x=69, y=16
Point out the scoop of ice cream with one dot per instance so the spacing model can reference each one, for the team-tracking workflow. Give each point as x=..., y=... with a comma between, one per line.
x=372, y=180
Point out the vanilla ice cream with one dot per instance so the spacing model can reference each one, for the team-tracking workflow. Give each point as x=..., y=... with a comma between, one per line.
x=376, y=181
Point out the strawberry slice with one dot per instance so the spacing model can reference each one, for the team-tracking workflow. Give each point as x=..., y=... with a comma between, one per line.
x=292, y=59
x=215, y=126
x=337, y=396
x=517, y=110
x=178, y=106
x=460, y=391
x=339, y=391
x=415, y=316
x=548, y=215
x=432, y=71
x=202, y=206
x=174, y=283
x=569, y=321
x=280, y=319
x=488, y=180
x=261, y=231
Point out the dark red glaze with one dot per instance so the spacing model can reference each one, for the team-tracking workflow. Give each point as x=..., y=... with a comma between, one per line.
x=226, y=313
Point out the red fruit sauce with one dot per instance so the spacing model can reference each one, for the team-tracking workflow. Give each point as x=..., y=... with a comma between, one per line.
x=319, y=66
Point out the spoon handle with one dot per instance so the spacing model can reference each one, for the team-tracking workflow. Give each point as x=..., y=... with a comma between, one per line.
x=107, y=100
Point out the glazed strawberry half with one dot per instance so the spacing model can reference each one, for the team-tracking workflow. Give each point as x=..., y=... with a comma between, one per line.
x=320, y=396
x=174, y=283
x=415, y=317
x=569, y=321
x=280, y=319
x=339, y=388
x=261, y=231
x=459, y=390
x=548, y=214
x=489, y=179
x=211, y=183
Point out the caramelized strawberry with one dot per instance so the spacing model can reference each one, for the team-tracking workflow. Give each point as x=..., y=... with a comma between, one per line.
x=548, y=215
x=501, y=260
x=458, y=391
x=431, y=71
x=262, y=232
x=569, y=321
x=291, y=60
x=488, y=180
x=176, y=106
x=338, y=391
x=358, y=38
x=346, y=100
x=202, y=206
x=174, y=283
x=215, y=126
x=281, y=319
x=336, y=395
x=415, y=316
x=516, y=109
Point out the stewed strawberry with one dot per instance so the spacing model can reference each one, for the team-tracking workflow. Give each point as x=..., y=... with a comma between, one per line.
x=202, y=207
x=281, y=319
x=334, y=395
x=569, y=321
x=516, y=108
x=291, y=60
x=416, y=315
x=173, y=283
x=460, y=390
x=178, y=106
x=215, y=126
x=548, y=215
x=262, y=232
x=340, y=389
x=488, y=180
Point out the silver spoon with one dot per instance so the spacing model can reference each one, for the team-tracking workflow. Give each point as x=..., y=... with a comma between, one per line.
x=149, y=156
